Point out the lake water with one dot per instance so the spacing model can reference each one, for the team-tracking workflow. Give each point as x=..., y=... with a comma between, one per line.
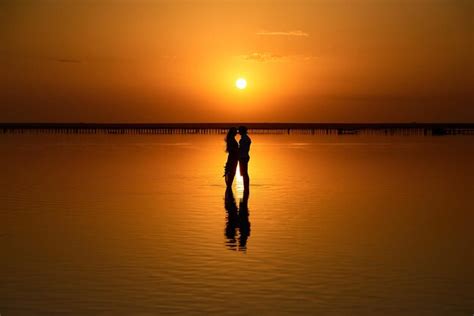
x=137, y=225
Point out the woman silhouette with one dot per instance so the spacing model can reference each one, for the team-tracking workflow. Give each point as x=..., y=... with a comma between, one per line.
x=232, y=148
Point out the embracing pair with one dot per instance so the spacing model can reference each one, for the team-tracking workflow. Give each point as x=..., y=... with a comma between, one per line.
x=238, y=154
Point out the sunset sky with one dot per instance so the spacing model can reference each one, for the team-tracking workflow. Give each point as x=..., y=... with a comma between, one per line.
x=178, y=61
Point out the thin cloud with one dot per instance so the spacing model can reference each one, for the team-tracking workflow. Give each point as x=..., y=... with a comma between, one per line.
x=14, y=56
x=67, y=60
x=297, y=33
x=262, y=57
x=21, y=56
x=30, y=57
x=265, y=57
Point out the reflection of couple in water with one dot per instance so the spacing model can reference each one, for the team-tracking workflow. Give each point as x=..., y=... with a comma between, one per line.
x=238, y=155
x=237, y=217
x=237, y=221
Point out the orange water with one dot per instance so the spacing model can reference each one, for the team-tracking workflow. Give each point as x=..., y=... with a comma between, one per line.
x=136, y=225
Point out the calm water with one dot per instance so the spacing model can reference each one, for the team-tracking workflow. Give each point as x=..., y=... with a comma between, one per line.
x=137, y=225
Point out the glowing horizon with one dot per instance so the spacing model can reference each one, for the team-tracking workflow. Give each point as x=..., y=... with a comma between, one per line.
x=172, y=61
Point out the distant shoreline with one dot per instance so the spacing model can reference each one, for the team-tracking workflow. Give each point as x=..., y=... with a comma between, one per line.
x=218, y=128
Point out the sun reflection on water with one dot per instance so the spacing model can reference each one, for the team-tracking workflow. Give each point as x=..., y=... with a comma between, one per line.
x=239, y=183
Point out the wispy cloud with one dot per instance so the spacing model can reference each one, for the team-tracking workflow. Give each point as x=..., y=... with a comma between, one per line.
x=262, y=57
x=297, y=33
x=265, y=57
x=39, y=58
x=67, y=60
x=20, y=56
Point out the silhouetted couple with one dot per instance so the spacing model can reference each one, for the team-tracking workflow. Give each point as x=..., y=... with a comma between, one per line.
x=238, y=154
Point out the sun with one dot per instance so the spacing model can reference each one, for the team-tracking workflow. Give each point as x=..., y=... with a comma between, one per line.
x=241, y=83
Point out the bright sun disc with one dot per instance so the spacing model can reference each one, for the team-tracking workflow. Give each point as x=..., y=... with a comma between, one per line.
x=241, y=83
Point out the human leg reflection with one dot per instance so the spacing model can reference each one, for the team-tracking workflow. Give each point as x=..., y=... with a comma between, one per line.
x=232, y=219
x=237, y=229
x=244, y=223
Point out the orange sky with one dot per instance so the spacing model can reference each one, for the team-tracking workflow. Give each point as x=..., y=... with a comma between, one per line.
x=177, y=61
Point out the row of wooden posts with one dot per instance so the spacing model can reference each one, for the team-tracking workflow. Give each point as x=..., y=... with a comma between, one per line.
x=310, y=131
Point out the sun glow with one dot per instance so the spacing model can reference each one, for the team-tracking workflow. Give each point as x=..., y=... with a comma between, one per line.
x=239, y=183
x=241, y=83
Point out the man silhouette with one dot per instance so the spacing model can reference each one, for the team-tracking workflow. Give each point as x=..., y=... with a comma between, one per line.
x=244, y=148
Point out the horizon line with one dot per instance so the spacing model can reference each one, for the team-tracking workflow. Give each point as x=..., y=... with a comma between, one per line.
x=256, y=125
x=238, y=122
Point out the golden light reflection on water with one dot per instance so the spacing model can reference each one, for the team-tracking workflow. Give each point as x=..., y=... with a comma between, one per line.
x=239, y=183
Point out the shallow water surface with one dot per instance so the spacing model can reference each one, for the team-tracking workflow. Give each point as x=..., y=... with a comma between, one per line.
x=335, y=225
